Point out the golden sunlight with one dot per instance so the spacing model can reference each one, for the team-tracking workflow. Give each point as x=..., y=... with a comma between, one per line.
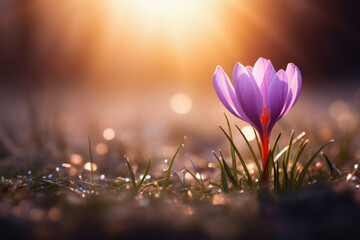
x=177, y=21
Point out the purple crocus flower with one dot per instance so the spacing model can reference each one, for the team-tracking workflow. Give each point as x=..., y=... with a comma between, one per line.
x=259, y=95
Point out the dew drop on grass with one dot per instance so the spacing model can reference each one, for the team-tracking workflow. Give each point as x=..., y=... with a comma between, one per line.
x=87, y=166
x=198, y=176
x=66, y=165
x=102, y=176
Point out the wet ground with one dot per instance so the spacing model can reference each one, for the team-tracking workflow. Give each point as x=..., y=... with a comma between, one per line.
x=46, y=190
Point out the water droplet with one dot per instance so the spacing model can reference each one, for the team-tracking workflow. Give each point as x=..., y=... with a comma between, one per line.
x=102, y=176
x=66, y=165
x=57, y=169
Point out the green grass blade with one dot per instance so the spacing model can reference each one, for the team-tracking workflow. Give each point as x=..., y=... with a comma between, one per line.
x=298, y=153
x=131, y=172
x=333, y=174
x=271, y=155
x=145, y=174
x=250, y=182
x=167, y=177
x=233, y=158
x=200, y=183
x=304, y=170
x=286, y=178
x=251, y=150
x=91, y=161
x=229, y=174
x=289, y=150
x=277, y=179
x=266, y=167
x=222, y=171
x=257, y=141
x=284, y=150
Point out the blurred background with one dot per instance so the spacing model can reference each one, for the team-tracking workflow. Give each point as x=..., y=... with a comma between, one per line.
x=141, y=71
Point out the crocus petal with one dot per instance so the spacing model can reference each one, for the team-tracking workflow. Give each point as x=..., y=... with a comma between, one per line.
x=295, y=82
x=249, y=69
x=277, y=96
x=226, y=92
x=263, y=73
x=248, y=95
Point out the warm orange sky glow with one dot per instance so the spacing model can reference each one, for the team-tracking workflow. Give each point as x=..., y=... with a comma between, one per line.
x=135, y=42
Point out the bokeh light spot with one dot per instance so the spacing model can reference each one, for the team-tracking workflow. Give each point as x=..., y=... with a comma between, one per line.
x=109, y=134
x=55, y=214
x=87, y=166
x=181, y=103
x=76, y=159
x=248, y=132
x=101, y=148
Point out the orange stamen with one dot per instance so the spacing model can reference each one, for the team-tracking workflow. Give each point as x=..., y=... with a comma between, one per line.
x=265, y=117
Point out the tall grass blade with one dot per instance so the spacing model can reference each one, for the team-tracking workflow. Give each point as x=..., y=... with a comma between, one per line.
x=257, y=141
x=193, y=164
x=298, y=153
x=277, y=179
x=300, y=136
x=167, y=177
x=131, y=172
x=333, y=173
x=233, y=158
x=250, y=182
x=271, y=155
x=91, y=161
x=229, y=174
x=145, y=174
x=286, y=178
x=197, y=180
x=288, y=150
x=222, y=172
x=262, y=175
x=304, y=170
x=251, y=150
